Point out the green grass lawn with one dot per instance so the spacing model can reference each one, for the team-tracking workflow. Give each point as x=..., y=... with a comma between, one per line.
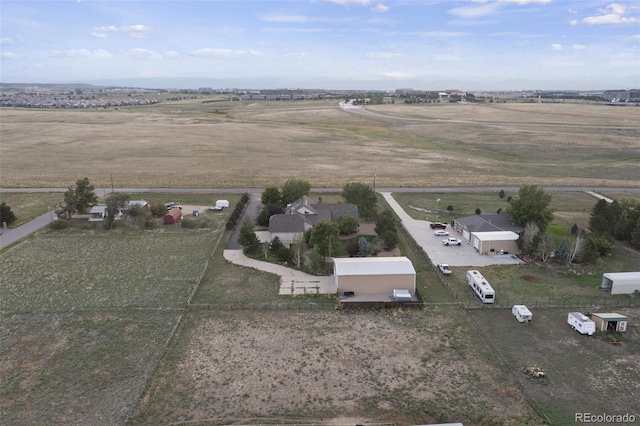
x=27, y=206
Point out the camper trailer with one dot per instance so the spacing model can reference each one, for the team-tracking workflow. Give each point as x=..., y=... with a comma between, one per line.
x=481, y=286
x=581, y=323
x=522, y=313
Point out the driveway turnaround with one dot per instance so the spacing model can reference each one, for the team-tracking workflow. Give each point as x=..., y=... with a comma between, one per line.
x=463, y=255
x=292, y=281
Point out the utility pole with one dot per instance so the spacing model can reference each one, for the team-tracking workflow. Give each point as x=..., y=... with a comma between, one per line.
x=111, y=174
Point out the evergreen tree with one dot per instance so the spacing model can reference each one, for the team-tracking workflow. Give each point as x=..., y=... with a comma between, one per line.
x=562, y=252
x=6, y=214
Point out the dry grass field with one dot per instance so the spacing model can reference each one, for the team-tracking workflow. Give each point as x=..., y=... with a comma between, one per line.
x=400, y=367
x=237, y=144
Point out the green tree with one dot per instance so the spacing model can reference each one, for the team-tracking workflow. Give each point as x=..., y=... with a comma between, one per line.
x=347, y=224
x=85, y=194
x=78, y=199
x=387, y=229
x=247, y=236
x=478, y=211
x=501, y=194
x=363, y=247
x=325, y=237
x=532, y=205
x=115, y=202
x=635, y=235
x=271, y=195
x=363, y=196
x=294, y=189
x=6, y=214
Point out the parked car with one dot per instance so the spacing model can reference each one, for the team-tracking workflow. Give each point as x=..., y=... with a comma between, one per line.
x=444, y=268
x=451, y=241
x=441, y=233
x=438, y=225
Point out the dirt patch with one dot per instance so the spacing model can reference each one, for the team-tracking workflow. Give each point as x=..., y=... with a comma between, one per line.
x=530, y=278
x=403, y=367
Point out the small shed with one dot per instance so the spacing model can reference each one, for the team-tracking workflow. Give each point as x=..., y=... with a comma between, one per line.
x=374, y=275
x=173, y=216
x=502, y=242
x=610, y=321
x=621, y=282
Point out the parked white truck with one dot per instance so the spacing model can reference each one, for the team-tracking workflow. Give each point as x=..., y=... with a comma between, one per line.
x=581, y=323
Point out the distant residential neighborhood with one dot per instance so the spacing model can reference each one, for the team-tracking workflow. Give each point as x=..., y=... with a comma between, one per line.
x=83, y=96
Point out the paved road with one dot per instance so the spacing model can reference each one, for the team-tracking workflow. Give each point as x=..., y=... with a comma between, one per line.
x=105, y=191
x=10, y=236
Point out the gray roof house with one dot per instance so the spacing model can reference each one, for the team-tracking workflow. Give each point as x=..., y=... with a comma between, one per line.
x=485, y=223
x=302, y=214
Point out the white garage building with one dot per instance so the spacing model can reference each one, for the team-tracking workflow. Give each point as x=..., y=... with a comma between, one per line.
x=375, y=278
x=621, y=282
x=495, y=242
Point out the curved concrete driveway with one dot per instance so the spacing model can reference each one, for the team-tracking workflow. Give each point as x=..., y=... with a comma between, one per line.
x=291, y=281
x=438, y=253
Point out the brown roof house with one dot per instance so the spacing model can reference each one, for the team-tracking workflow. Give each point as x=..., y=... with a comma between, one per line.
x=302, y=214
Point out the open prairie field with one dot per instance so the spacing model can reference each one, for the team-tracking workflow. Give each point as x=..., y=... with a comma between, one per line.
x=226, y=144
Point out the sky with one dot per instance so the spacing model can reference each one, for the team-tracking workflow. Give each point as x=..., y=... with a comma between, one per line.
x=330, y=44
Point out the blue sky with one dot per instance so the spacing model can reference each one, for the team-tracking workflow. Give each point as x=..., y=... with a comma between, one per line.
x=423, y=44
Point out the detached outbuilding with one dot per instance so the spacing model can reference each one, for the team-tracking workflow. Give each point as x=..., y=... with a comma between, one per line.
x=374, y=276
x=496, y=242
x=173, y=216
x=610, y=321
x=621, y=282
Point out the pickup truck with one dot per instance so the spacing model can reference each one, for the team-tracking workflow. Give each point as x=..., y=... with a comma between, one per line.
x=451, y=241
x=444, y=268
x=437, y=225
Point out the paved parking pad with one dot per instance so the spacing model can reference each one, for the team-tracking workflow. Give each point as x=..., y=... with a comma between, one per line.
x=463, y=255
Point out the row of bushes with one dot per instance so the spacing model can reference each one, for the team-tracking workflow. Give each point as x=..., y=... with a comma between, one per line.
x=237, y=212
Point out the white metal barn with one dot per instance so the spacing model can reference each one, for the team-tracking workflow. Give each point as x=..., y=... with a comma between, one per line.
x=374, y=275
x=621, y=282
x=495, y=242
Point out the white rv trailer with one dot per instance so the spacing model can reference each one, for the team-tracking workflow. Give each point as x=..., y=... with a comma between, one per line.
x=522, y=313
x=481, y=286
x=581, y=323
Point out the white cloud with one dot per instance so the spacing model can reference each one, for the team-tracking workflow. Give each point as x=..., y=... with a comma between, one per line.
x=633, y=38
x=612, y=14
x=9, y=55
x=138, y=53
x=382, y=55
x=573, y=22
x=397, y=74
x=172, y=54
x=579, y=46
x=137, y=31
x=525, y=2
x=380, y=8
x=223, y=53
x=7, y=41
x=296, y=55
x=81, y=53
x=556, y=46
x=105, y=29
x=351, y=2
x=99, y=35
x=474, y=11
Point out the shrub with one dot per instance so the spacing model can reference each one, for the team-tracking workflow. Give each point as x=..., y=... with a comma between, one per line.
x=347, y=225
x=158, y=210
x=59, y=224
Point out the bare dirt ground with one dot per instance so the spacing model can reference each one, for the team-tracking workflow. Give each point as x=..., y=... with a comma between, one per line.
x=325, y=367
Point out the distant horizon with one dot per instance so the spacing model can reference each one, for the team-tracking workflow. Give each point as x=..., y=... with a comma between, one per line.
x=160, y=84
x=470, y=45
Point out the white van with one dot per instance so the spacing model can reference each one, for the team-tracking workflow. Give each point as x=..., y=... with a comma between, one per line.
x=581, y=323
x=522, y=313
